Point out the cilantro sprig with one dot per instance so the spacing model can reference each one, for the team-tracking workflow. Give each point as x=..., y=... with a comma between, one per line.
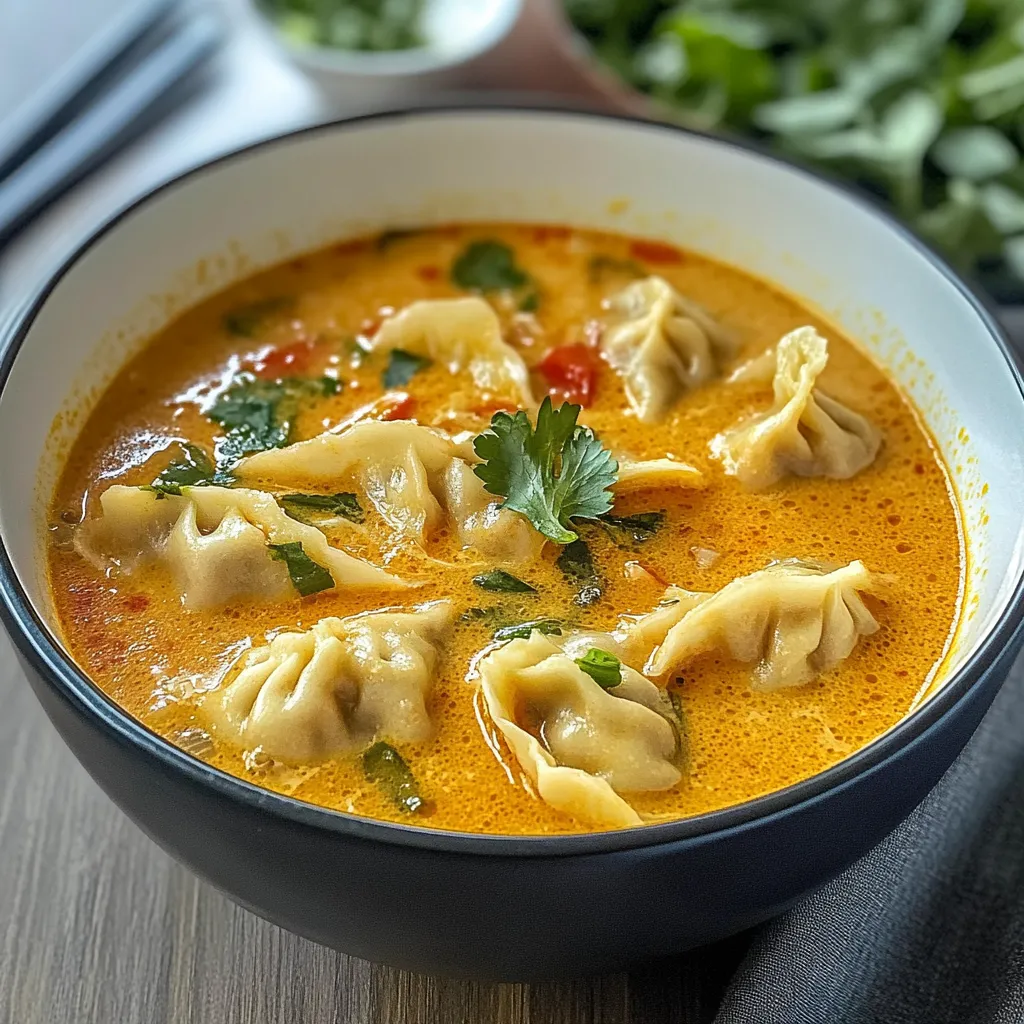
x=552, y=473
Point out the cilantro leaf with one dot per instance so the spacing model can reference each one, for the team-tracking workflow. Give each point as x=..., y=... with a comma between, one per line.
x=604, y=668
x=248, y=321
x=577, y=563
x=488, y=266
x=402, y=367
x=306, y=506
x=551, y=474
x=195, y=468
x=308, y=577
x=501, y=582
x=522, y=630
x=634, y=529
x=385, y=767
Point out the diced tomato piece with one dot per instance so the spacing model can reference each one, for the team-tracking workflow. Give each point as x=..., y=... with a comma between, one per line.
x=429, y=273
x=401, y=410
x=488, y=409
x=571, y=371
x=655, y=252
x=287, y=361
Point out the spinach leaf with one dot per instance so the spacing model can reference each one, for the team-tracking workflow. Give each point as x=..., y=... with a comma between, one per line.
x=604, y=668
x=248, y=321
x=635, y=529
x=308, y=577
x=488, y=266
x=522, y=630
x=385, y=767
x=195, y=468
x=257, y=414
x=501, y=582
x=306, y=506
x=402, y=367
x=577, y=564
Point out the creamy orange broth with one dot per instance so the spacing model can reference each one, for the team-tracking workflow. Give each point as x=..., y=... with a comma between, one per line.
x=132, y=636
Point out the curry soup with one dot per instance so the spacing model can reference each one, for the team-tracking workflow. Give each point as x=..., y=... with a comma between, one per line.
x=390, y=717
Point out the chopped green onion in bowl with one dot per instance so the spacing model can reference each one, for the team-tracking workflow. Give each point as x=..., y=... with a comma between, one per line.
x=367, y=25
x=921, y=102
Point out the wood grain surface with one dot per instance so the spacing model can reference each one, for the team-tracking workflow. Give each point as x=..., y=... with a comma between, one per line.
x=99, y=926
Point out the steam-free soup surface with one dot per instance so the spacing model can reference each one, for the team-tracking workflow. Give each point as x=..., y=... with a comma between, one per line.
x=312, y=318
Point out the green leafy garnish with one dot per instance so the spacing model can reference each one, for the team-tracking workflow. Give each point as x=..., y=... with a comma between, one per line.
x=385, y=767
x=257, y=414
x=522, y=630
x=488, y=266
x=248, y=321
x=577, y=563
x=304, y=507
x=530, y=302
x=604, y=668
x=601, y=267
x=634, y=529
x=372, y=25
x=501, y=582
x=552, y=474
x=308, y=577
x=195, y=468
x=402, y=367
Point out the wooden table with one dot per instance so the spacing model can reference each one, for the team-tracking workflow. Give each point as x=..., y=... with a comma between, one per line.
x=99, y=926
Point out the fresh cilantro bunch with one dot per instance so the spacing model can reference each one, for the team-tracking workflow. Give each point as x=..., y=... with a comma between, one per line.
x=552, y=473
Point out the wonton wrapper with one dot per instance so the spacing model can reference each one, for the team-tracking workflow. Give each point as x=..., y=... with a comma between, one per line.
x=463, y=334
x=661, y=344
x=334, y=688
x=805, y=433
x=597, y=742
x=794, y=620
x=418, y=478
x=214, y=541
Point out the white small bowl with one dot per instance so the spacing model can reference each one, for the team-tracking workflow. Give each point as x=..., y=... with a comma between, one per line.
x=457, y=33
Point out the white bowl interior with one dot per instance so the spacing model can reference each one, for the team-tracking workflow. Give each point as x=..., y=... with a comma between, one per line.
x=262, y=206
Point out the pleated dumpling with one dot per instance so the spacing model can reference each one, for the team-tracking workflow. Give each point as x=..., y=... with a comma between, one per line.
x=661, y=344
x=805, y=432
x=463, y=334
x=418, y=478
x=581, y=745
x=308, y=696
x=791, y=620
x=216, y=542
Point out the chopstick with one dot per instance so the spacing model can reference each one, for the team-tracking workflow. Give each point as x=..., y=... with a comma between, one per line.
x=112, y=118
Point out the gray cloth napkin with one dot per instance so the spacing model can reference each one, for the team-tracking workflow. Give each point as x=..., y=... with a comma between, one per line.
x=926, y=929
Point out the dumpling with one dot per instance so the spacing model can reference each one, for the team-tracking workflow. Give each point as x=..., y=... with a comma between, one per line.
x=416, y=477
x=805, y=433
x=792, y=620
x=308, y=696
x=580, y=745
x=215, y=542
x=464, y=334
x=661, y=344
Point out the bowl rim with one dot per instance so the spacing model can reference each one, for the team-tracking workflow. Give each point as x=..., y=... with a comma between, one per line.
x=41, y=649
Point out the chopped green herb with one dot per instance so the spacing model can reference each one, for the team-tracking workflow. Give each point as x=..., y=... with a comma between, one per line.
x=604, y=668
x=385, y=767
x=530, y=302
x=634, y=529
x=551, y=474
x=577, y=563
x=502, y=582
x=305, y=506
x=386, y=239
x=522, y=630
x=602, y=267
x=488, y=266
x=402, y=367
x=257, y=414
x=492, y=616
x=248, y=321
x=194, y=469
x=308, y=577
